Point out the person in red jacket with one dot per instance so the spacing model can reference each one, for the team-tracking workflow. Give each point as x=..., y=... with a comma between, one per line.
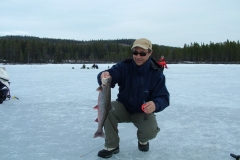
x=162, y=63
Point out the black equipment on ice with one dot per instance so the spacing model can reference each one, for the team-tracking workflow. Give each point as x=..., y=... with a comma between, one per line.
x=237, y=157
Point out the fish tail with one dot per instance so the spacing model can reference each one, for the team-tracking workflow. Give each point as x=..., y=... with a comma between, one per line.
x=99, y=134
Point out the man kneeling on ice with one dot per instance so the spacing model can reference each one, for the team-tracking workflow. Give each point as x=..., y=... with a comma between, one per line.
x=142, y=92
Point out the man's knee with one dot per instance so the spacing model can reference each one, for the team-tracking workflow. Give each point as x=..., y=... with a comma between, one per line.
x=152, y=132
x=119, y=112
x=116, y=105
x=147, y=135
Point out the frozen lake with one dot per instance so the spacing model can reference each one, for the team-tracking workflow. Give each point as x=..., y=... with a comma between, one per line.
x=54, y=116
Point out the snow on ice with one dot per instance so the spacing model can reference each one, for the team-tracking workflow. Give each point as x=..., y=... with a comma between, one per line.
x=54, y=116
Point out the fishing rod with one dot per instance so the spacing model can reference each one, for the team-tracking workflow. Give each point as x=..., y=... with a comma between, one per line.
x=90, y=151
x=144, y=103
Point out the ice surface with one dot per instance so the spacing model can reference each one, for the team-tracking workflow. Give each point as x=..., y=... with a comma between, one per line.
x=54, y=116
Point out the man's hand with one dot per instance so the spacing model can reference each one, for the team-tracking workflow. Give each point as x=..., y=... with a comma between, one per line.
x=149, y=107
x=105, y=75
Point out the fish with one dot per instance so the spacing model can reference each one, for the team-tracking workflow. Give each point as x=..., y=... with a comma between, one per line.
x=104, y=105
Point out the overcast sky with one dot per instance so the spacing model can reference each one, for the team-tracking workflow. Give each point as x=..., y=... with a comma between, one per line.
x=164, y=22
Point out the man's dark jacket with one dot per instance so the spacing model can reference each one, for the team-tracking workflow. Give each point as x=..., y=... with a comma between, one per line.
x=139, y=84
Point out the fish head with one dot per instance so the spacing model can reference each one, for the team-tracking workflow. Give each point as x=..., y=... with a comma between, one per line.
x=106, y=81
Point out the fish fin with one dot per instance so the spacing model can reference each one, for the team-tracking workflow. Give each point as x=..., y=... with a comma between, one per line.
x=96, y=107
x=99, y=88
x=96, y=120
x=99, y=134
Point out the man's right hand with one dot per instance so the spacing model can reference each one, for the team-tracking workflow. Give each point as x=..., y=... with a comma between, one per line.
x=105, y=75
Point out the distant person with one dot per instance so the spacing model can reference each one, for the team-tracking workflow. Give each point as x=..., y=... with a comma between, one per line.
x=96, y=66
x=162, y=63
x=83, y=66
x=4, y=85
x=142, y=92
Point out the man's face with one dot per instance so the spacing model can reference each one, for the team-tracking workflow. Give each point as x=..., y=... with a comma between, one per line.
x=140, y=60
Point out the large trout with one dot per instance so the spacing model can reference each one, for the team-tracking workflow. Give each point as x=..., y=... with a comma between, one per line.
x=104, y=105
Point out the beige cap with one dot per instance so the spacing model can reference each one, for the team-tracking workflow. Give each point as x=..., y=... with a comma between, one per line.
x=142, y=43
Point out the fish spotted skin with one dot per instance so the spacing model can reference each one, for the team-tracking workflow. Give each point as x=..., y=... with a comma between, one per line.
x=104, y=105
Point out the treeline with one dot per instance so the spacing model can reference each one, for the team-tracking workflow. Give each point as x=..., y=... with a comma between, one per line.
x=226, y=52
x=26, y=49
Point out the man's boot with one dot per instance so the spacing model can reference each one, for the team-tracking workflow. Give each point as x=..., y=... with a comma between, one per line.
x=108, y=152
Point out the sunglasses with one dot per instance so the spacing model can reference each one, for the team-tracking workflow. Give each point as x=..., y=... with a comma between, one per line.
x=140, y=53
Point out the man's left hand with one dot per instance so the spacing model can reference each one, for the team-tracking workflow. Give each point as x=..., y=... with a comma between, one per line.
x=149, y=107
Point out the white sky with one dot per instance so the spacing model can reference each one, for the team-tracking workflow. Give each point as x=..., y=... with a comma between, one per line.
x=171, y=23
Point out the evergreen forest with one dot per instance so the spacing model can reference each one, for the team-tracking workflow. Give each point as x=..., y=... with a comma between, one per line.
x=28, y=49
